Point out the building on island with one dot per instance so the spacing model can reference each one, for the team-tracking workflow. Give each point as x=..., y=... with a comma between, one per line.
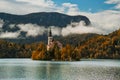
x=51, y=41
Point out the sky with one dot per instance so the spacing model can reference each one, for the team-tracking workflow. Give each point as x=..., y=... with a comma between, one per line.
x=29, y=6
x=103, y=14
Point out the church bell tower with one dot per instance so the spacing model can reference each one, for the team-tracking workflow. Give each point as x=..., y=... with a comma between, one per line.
x=50, y=39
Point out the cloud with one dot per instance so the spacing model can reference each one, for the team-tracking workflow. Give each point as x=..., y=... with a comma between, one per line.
x=32, y=29
x=1, y=23
x=108, y=20
x=69, y=5
x=103, y=22
x=35, y=30
x=42, y=3
x=12, y=26
x=112, y=1
x=116, y=2
x=26, y=6
x=7, y=34
x=56, y=30
x=31, y=6
x=70, y=8
x=10, y=35
x=80, y=30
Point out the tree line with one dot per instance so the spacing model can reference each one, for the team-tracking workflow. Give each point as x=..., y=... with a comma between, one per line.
x=95, y=47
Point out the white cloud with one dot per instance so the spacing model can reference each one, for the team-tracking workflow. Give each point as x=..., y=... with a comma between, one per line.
x=70, y=8
x=9, y=34
x=56, y=30
x=117, y=2
x=106, y=20
x=112, y=1
x=30, y=6
x=32, y=29
x=35, y=30
x=42, y=3
x=26, y=6
x=103, y=22
x=12, y=26
x=1, y=23
x=69, y=5
x=80, y=30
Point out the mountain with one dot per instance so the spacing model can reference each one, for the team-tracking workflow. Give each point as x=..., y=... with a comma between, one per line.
x=43, y=19
x=20, y=25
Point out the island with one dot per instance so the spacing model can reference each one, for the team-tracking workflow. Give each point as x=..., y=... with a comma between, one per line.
x=55, y=51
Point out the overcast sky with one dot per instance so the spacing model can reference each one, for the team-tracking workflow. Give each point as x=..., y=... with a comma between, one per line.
x=103, y=14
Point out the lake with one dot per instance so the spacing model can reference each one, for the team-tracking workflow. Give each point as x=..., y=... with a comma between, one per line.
x=27, y=69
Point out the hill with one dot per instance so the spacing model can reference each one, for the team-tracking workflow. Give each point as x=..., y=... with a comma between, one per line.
x=102, y=46
x=87, y=46
x=43, y=19
x=20, y=25
x=75, y=39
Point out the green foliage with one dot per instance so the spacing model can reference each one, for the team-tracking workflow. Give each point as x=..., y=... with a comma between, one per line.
x=13, y=50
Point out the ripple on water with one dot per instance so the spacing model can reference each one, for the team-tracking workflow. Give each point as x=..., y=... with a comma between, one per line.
x=26, y=69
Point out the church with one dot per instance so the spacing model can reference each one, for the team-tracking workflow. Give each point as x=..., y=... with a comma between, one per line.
x=52, y=42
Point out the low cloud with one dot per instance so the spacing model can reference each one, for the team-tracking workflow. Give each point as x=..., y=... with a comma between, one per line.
x=103, y=22
x=80, y=29
x=1, y=23
x=10, y=35
x=35, y=30
x=12, y=26
x=32, y=29
x=56, y=30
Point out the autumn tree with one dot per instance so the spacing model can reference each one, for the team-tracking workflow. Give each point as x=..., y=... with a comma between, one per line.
x=40, y=52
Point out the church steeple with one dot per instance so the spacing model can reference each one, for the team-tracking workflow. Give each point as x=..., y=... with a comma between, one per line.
x=51, y=41
x=50, y=38
x=50, y=33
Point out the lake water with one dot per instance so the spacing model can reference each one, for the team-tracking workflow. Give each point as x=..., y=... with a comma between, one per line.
x=27, y=69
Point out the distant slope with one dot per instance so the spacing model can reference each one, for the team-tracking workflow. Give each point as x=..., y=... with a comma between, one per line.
x=43, y=19
x=88, y=45
x=75, y=39
x=102, y=46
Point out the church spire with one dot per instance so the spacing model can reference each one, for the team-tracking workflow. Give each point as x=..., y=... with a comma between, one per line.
x=50, y=33
x=50, y=39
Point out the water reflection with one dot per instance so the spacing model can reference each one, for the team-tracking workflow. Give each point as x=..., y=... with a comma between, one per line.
x=26, y=69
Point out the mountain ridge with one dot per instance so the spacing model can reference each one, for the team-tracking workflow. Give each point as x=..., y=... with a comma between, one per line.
x=43, y=19
x=40, y=19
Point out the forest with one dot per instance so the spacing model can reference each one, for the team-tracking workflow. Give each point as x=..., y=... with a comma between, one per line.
x=94, y=47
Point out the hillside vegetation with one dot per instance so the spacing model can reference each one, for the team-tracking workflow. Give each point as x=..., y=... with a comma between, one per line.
x=92, y=46
x=97, y=47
